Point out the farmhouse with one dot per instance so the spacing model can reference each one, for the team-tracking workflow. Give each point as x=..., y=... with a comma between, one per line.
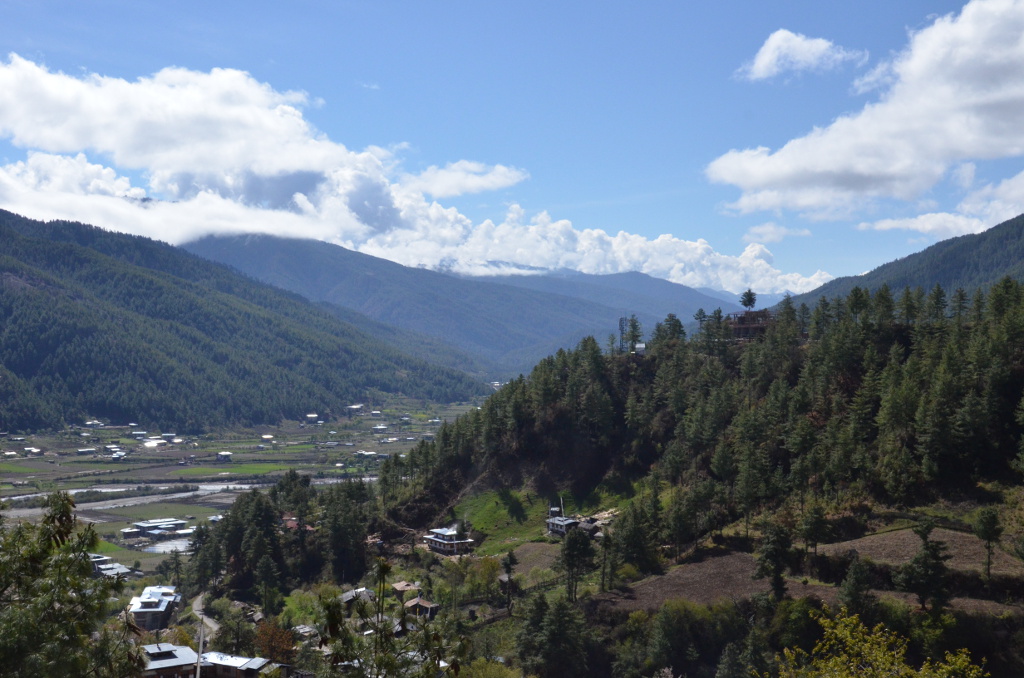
x=223, y=456
x=446, y=540
x=421, y=607
x=560, y=524
x=402, y=587
x=348, y=598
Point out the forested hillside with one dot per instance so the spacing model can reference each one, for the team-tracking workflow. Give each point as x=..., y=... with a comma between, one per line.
x=98, y=324
x=708, y=446
x=898, y=399
x=969, y=262
x=507, y=323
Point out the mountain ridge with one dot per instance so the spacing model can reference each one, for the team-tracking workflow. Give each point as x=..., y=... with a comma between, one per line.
x=101, y=324
x=974, y=261
x=509, y=322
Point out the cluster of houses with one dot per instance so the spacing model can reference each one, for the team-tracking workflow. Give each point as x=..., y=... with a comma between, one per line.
x=153, y=609
x=417, y=606
x=163, y=528
x=26, y=451
x=559, y=525
x=159, y=529
x=448, y=540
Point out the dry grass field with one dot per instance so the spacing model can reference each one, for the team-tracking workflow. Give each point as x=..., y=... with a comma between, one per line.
x=536, y=555
x=728, y=576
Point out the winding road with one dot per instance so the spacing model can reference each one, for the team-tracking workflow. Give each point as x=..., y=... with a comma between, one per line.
x=211, y=625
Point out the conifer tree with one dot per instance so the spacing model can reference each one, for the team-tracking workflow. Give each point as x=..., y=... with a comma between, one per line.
x=989, y=530
x=55, y=618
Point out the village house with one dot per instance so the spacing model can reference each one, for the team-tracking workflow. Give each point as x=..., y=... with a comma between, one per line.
x=560, y=525
x=402, y=587
x=153, y=608
x=220, y=665
x=421, y=607
x=446, y=540
x=349, y=598
x=164, y=660
x=105, y=566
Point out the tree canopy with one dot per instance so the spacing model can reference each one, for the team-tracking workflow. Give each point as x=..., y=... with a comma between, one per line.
x=51, y=606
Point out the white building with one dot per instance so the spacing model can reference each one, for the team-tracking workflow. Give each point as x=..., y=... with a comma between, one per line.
x=152, y=610
x=220, y=664
x=560, y=524
x=446, y=540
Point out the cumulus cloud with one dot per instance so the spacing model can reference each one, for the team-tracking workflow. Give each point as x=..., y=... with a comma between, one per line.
x=521, y=245
x=464, y=176
x=955, y=94
x=221, y=153
x=785, y=51
x=771, y=232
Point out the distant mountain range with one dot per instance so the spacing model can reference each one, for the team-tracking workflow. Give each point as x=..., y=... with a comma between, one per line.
x=968, y=261
x=507, y=323
x=95, y=324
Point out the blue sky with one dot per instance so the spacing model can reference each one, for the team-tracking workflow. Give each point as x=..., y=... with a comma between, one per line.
x=496, y=137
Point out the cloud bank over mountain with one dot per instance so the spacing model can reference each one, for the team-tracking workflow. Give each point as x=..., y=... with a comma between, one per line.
x=183, y=153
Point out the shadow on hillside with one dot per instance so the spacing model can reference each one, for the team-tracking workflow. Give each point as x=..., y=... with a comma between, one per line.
x=513, y=505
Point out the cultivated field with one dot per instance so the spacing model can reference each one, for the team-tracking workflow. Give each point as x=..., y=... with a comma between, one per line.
x=899, y=546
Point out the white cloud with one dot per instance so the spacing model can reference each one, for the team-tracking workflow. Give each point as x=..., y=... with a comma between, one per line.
x=225, y=154
x=771, y=232
x=981, y=209
x=520, y=245
x=785, y=51
x=879, y=77
x=963, y=174
x=938, y=224
x=464, y=176
x=956, y=95
x=72, y=175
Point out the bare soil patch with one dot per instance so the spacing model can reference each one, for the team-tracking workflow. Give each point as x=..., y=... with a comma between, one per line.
x=900, y=546
x=715, y=578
